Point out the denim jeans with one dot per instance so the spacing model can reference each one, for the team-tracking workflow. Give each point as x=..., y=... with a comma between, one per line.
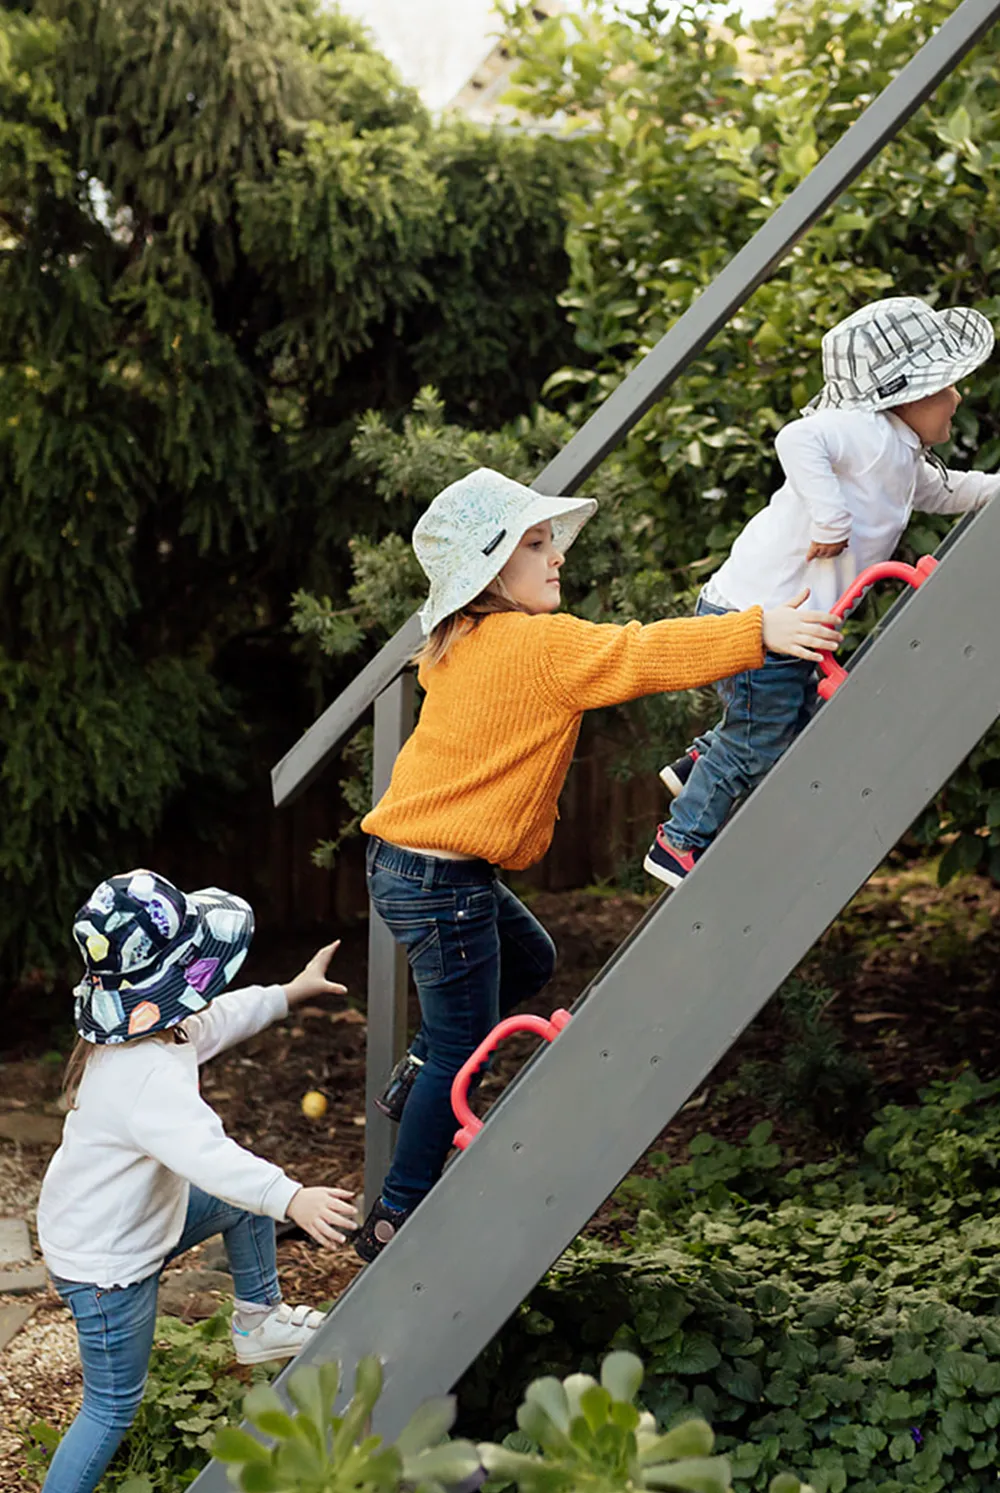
x=475, y=952
x=765, y=709
x=115, y=1332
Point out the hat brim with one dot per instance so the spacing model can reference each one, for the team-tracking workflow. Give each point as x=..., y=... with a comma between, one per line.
x=970, y=329
x=567, y=517
x=190, y=974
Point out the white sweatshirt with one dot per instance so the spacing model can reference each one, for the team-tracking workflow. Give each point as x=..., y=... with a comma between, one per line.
x=115, y=1194
x=849, y=475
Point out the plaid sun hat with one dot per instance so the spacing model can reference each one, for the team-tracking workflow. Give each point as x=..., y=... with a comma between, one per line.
x=153, y=954
x=473, y=527
x=897, y=350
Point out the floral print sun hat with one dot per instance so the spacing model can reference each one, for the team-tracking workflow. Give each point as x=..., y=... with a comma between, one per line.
x=472, y=528
x=153, y=954
x=896, y=350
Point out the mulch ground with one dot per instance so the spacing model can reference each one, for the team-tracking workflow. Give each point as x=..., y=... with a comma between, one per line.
x=913, y=974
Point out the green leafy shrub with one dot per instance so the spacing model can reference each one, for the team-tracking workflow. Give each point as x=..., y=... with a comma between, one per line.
x=837, y=1320
x=226, y=230
x=576, y=1436
x=191, y=1393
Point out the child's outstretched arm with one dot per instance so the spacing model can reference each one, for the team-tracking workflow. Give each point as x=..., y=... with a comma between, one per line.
x=587, y=665
x=174, y=1125
x=240, y=1014
x=965, y=490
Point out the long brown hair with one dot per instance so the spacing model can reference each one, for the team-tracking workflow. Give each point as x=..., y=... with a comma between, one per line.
x=494, y=599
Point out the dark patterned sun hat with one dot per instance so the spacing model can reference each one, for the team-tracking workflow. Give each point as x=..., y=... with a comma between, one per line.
x=897, y=350
x=154, y=954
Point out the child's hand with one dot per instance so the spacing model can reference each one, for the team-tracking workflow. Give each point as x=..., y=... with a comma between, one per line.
x=787, y=630
x=825, y=551
x=312, y=981
x=323, y=1212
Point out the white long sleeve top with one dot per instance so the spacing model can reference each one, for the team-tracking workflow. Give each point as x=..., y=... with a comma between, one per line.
x=115, y=1194
x=849, y=475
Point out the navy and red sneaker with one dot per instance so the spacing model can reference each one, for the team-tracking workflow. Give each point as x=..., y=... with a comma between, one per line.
x=676, y=774
x=666, y=863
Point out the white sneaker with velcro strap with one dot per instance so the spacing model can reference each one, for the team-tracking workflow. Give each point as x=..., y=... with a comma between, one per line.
x=281, y=1334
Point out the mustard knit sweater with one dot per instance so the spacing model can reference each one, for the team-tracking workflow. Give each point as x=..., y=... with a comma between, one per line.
x=483, y=770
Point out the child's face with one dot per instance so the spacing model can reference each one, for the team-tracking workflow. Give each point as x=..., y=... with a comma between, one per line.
x=931, y=417
x=531, y=575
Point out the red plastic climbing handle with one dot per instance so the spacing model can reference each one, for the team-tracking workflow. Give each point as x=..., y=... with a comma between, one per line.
x=833, y=673
x=471, y=1124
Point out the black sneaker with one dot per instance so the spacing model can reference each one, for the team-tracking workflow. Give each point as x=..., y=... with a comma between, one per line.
x=676, y=774
x=393, y=1097
x=379, y=1229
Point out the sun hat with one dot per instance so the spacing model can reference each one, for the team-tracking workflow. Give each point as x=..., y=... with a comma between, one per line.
x=472, y=528
x=896, y=350
x=154, y=954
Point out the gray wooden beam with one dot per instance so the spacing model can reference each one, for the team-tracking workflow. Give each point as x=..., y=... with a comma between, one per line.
x=388, y=971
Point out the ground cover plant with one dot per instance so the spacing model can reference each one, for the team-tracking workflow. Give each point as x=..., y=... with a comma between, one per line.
x=837, y=1319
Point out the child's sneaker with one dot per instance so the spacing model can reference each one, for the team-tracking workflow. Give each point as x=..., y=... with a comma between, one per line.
x=666, y=863
x=393, y=1097
x=676, y=774
x=379, y=1229
x=281, y=1334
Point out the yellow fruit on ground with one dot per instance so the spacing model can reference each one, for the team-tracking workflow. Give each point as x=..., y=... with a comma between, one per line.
x=314, y=1104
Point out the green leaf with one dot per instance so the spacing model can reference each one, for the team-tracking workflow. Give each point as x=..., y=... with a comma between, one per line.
x=450, y=1463
x=692, y=1438
x=696, y=1475
x=428, y=1425
x=621, y=1375
x=549, y=1395
x=307, y=1391
x=784, y=1482
x=234, y=1445
x=258, y=1478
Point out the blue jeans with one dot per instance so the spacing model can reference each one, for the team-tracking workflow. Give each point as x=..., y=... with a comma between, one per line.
x=115, y=1332
x=475, y=952
x=765, y=709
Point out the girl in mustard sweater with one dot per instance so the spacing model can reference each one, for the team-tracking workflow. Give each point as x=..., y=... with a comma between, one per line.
x=507, y=678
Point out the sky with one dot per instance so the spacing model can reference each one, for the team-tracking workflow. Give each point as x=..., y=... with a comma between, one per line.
x=438, y=44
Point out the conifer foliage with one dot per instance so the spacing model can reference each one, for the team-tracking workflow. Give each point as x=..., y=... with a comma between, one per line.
x=225, y=229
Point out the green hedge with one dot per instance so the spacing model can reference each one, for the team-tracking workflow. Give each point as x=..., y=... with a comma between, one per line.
x=837, y=1320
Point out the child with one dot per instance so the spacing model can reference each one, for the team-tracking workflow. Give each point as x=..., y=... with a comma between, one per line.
x=854, y=472
x=145, y=1169
x=475, y=787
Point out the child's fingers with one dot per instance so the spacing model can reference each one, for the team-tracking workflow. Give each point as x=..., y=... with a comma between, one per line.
x=341, y=1215
x=322, y=956
x=798, y=600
